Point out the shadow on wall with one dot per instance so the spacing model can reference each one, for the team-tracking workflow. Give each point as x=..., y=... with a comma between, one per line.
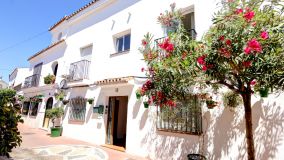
x=224, y=135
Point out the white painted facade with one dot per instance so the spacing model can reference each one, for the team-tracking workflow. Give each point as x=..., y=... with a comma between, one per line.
x=99, y=25
x=3, y=84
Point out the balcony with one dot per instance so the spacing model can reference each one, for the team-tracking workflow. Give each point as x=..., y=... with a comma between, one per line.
x=32, y=81
x=79, y=71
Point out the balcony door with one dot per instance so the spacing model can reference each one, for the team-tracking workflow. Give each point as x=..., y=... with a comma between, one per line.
x=36, y=74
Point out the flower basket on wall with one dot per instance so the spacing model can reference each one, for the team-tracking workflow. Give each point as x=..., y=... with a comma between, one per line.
x=65, y=102
x=49, y=79
x=263, y=92
x=211, y=104
x=90, y=100
x=146, y=104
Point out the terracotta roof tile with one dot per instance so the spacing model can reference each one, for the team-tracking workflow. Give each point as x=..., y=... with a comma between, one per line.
x=114, y=80
x=47, y=48
x=72, y=14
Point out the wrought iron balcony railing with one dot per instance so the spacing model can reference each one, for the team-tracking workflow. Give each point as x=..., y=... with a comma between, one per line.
x=79, y=70
x=32, y=81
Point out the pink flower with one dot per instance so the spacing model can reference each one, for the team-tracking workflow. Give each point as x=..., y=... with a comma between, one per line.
x=201, y=60
x=184, y=56
x=253, y=82
x=142, y=69
x=166, y=45
x=254, y=45
x=225, y=52
x=253, y=24
x=239, y=11
x=247, y=64
x=264, y=35
x=247, y=50
x=221, y=38
x=144, y=43
x=171, y=103
x=170, y=47
x=204, y=68
x=228, y=42
x=249, y=15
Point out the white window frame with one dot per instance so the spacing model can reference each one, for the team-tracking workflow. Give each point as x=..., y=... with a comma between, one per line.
x=123, y=43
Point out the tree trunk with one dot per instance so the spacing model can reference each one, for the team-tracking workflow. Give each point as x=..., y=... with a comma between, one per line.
x=249, y=131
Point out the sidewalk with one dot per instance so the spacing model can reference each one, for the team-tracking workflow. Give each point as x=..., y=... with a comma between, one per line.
x=34, y=138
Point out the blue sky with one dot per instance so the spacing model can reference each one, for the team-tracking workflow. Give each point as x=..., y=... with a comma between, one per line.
x=22, y=20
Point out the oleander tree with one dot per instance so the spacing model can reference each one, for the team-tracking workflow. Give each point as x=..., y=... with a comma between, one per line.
x=244, y=51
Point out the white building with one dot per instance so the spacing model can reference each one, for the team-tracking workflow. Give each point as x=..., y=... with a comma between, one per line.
x=16, y=79
x=94, y=54
x=3, y=84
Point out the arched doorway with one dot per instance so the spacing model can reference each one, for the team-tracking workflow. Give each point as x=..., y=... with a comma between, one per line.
x=48, y=105
x=54, y=67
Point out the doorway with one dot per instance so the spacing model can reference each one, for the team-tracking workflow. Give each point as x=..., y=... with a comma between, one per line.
x=117, y=121
x=48, y=105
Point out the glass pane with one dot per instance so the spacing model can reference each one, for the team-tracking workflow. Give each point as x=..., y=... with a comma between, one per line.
x=119, y=44
x=127, y=42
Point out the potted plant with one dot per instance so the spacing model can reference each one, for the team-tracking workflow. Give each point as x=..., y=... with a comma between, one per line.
x=37, y=98
x=170, y=20
x=49, y=79
x=263, y=91
x=90, y=100
x=211, y=104
x=146, y=104
x=65, y=102
x=53, y=114
x=231, y=99
x=59, y=96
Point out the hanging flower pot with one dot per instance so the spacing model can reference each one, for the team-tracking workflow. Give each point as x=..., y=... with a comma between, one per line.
x=138, y=95
x=65, y=102
x=146, y=104
x=263, y=92
x=90, y=100
x=211, y=104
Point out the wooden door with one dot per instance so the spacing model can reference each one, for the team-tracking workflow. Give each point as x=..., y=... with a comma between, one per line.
x=49, y=105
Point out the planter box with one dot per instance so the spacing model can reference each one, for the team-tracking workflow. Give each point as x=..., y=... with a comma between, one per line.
x=56, y=131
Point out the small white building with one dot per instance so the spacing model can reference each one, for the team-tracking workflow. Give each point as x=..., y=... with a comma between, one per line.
x=94, y=55
x=3, y=84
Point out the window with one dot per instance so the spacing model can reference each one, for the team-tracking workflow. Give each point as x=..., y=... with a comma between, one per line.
x=86, y=53
x=123, y=43
x=185, y=118
x=34, y=108
x=77, y=109
x=26, y=107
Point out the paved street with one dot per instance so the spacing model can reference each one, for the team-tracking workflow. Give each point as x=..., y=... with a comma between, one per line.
x=38, y=145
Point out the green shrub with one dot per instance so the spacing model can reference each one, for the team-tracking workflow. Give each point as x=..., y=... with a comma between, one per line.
x=49, y=79
x=54, y=113
x=9, y=119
